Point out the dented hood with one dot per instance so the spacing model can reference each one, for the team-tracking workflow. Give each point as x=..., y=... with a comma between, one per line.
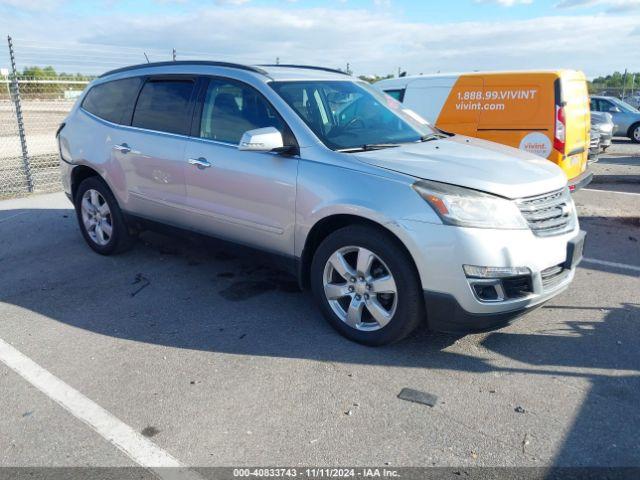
x=472, y=163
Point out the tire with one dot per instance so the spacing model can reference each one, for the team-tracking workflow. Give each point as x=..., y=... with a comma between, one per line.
x=110, y=233
x=634, y=133
x=401, y=311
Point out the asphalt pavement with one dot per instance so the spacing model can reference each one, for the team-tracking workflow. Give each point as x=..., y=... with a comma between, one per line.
x=209, y=354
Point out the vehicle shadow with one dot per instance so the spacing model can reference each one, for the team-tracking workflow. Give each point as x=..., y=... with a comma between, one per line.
x=622, y=140
x=189, y=292
x=621, y=160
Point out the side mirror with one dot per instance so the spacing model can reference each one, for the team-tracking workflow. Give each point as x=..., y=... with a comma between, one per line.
x=614, y=109
x=265, y=139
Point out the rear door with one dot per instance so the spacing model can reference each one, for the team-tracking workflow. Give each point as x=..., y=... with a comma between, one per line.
x=151, y=151
x=243, y=196
x=575, y=98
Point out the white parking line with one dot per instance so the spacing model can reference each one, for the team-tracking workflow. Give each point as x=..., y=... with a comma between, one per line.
x=610, y=191
x=140, y=449
x=604, y=263
x=11, y=216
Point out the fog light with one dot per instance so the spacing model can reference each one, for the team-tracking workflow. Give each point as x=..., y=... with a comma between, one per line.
x=474, y=271
x=485, y=292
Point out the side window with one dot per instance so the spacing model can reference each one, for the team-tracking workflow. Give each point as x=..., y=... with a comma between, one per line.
x=397, y=94
x=113, y=101
x=163, y=105
x=593, y=105
x=230, y=109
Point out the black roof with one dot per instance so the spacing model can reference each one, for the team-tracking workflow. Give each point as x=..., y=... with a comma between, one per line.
x=187, y=62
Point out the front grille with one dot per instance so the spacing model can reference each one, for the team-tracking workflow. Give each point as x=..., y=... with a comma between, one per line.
x=549, y=214
x=553, y=275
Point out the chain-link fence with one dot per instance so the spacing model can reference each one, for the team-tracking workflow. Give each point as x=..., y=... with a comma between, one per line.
x=42, y=98
x=13, y=173
x=31, y=109
x=43, y=102
x=629, y=95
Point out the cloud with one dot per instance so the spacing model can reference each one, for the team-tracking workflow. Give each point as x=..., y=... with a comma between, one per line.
x=31, y=4
x=611, y=6
x=372, y=41
x=507, y=3
x=231, y=2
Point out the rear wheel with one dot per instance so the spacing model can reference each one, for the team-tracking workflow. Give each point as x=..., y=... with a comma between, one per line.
x=634, y=133
x=100, y=218
x=366, y=285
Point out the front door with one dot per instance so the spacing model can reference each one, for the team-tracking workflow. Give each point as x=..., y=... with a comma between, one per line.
x=246, y=197
x=619, y=120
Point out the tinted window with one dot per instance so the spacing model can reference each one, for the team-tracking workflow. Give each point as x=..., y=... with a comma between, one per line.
x=113, y=101
x=163, y=105
x=230, y=109
x=397, y=94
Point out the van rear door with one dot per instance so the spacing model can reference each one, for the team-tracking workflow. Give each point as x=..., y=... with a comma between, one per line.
x=574, y=98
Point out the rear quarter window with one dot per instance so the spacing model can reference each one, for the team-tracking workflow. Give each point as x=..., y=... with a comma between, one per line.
x=164, y=105
x=113, y=101
x=397, y=93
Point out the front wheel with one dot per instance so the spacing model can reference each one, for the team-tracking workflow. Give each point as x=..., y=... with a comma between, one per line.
x=635, y=133
x=366, y=285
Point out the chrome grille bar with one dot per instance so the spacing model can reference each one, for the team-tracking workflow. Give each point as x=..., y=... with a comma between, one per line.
x=548, y=214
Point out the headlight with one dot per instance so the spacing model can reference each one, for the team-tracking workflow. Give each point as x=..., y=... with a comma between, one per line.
x=469, y=208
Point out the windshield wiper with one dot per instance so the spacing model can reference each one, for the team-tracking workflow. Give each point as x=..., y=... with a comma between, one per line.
x=432, y=136
x=367, y=147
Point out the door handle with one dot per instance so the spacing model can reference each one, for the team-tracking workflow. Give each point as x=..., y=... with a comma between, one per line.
x=201, y=162
x=124, y=148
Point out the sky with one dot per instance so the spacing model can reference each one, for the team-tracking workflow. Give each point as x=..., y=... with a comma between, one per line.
x=372, y=36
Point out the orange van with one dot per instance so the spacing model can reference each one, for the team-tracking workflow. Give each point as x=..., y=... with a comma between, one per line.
x=542, y=112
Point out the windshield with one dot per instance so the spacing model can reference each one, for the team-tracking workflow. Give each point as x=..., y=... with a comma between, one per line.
x=346, y=115
x=624, y=106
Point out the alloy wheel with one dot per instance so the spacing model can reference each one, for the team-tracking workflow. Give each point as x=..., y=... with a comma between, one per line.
x=360, y=288
x=96, y=217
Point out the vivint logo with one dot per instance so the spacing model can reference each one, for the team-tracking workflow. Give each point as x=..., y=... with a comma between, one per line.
x=536, y=143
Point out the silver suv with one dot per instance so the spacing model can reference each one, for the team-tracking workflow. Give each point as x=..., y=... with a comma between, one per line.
x=388, y=220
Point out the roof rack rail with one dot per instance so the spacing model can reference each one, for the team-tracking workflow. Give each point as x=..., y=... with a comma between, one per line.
x=238, y=66
x=308, y=67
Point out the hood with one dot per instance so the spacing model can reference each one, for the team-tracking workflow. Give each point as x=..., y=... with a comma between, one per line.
x=472, y=163
x=601, y=117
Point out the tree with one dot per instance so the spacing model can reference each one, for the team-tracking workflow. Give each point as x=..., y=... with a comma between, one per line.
x=39, y=73
x=616, y=80
x=374, y=78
